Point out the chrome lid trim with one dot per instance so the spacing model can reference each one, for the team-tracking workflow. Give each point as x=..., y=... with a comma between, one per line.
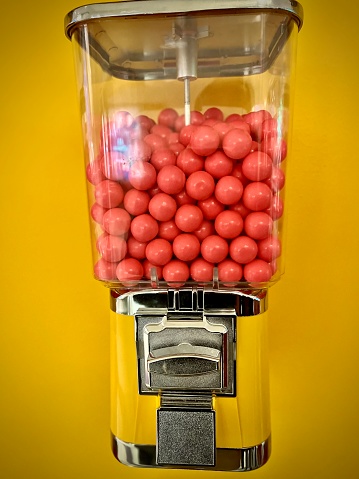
x=162, y=7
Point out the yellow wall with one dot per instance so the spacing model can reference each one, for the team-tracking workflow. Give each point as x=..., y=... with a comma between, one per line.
x=54, y=336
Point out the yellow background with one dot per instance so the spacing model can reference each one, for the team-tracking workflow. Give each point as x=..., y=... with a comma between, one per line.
x=54, y=337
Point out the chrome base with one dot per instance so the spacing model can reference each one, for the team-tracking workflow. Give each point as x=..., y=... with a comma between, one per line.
x=235, y=460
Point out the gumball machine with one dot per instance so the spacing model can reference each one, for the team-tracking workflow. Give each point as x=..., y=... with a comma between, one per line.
x=186, y=114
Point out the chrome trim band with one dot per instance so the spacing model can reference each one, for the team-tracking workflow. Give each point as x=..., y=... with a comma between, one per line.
x=162, y=7
x=163, y=301
x=235, y=460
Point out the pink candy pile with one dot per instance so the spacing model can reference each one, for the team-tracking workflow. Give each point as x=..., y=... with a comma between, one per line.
x=183, y=199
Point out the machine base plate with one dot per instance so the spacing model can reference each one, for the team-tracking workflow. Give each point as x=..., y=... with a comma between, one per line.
x=236, y=460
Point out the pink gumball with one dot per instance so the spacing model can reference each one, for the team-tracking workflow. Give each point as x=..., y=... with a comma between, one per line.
x=105, y=270
x=257, y=166
x=123, y=119
x=229, y=271
x=234, y=117
x=257, y=271
x=243, y=249
x=116, y=166
x=138, y=150
x=185, y=134
x=180, y=123
x=228, y=224
x=269, y=248
x=137, y=132
x=240, y=208
x=162, y=207
x=116, y=221
x=204, y=140
x=145, y=122
x=238, y=173
x=142, y=175
x=97, y=213
x=206, y=229
x=186, y=247
x=168, y=230
x=189, y=161
x=183, y=198
x=201, y=270
x=196, y=117
x=188, y=218
x=257, y=196
x=176, y=148
x=111, y=248
x=159, y=251
x=275, y=210
x=154, y=191
x=255, y=120
x=173, y=137
x=214, y=249
x=241, y=125
x=108, y=194
x=229, y=190
x=258, y=225
x=270, y=127
x=94, y=172
x=171, y=179
x=276, y=180
x=136, y=249
x=167, y=117
x=175, y=271
x=161, y=130
x=213, y=113
x=237, y=143
x=210, y=208
x=218, y=164
x=163, y=157
x=209, y=122
x=222, y=128
x=155, y=141
x=129, y=269
x=275, y=147
x=200, y=185
x=144, y=228
x=136, y=202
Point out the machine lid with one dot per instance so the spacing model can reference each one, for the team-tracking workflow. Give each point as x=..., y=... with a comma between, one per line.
x=154, y=39
x=139, y=8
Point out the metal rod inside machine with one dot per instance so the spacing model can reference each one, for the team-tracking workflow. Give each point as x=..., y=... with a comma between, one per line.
x=187, y=101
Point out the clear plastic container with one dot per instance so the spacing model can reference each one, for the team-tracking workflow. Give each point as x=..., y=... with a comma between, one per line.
x=186, y=121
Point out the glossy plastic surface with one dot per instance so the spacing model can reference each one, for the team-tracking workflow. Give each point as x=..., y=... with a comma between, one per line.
x=241, y=421
x=220, y=177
